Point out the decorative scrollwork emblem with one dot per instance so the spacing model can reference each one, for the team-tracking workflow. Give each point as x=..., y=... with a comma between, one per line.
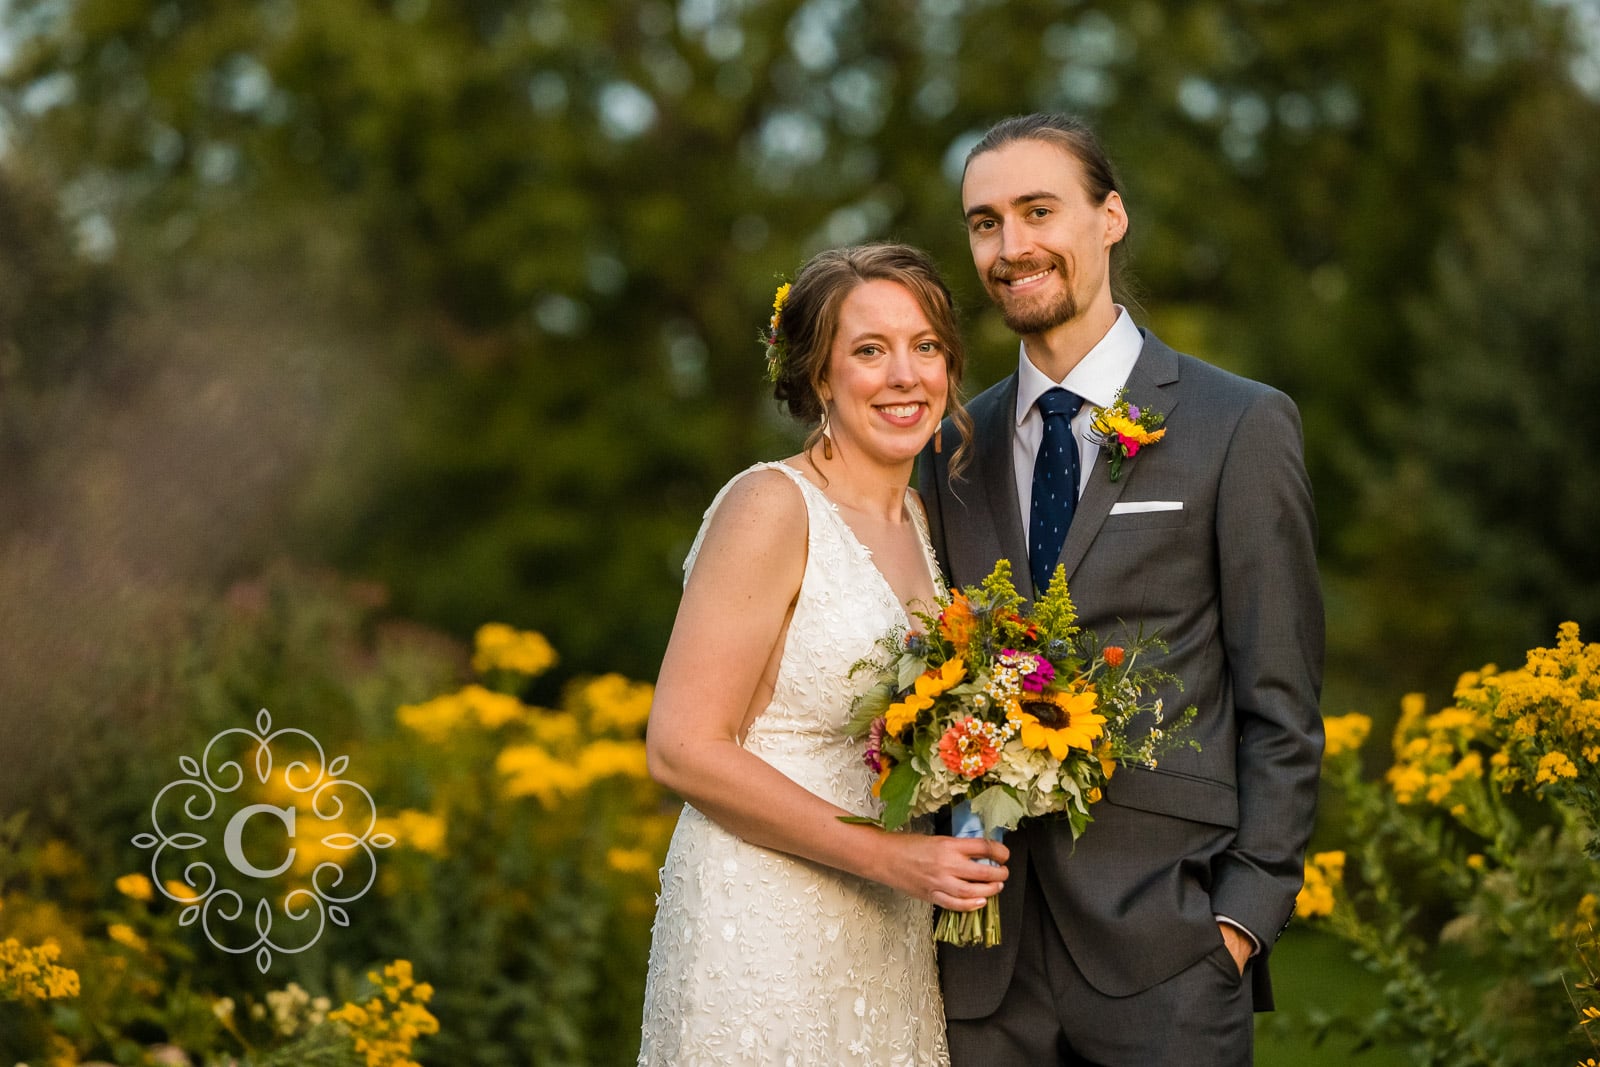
x=297, y=841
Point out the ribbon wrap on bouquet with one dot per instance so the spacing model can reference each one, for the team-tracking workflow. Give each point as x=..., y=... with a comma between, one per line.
x=981, y=927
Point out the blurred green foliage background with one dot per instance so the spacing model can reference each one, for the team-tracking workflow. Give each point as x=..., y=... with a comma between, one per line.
x=459, y=299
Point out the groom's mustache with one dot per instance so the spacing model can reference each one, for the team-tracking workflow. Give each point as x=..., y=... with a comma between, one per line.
x=1010, y=271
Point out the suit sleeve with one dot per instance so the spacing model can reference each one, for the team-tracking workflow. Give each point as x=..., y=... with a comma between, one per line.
x=1272, y=632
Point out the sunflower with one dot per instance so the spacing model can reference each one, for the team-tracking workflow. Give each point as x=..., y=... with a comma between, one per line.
x=929, y=684
x=1059, y=721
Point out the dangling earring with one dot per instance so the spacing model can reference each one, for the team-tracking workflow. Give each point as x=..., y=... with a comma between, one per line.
x=938, y=440
x=827, y=441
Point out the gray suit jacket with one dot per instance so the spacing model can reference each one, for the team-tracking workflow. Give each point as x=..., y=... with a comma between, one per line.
x=1230, y=583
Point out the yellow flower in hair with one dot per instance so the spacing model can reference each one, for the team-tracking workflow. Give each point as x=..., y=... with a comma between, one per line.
x=776, y=344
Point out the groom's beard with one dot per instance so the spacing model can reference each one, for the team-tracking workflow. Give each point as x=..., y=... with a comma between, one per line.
x=1037, y=314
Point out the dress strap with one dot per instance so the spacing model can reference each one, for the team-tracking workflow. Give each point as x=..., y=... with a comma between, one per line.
x=716, y=502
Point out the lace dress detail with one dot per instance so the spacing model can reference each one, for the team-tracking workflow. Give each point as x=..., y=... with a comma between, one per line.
x=761, y=958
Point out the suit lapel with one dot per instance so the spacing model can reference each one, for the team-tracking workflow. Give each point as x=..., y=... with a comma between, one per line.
x=1149, y=386
x=995, y=434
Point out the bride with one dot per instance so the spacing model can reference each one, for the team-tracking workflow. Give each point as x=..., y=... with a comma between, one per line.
x=784, y=935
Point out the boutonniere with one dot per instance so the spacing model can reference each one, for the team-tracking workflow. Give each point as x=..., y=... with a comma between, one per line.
x=1123, y=428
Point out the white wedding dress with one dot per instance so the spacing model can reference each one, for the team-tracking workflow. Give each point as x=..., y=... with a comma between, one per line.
x=761, y=958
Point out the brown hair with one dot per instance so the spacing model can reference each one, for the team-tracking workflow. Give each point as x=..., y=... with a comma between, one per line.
x=1074, y=137
x=810, y=319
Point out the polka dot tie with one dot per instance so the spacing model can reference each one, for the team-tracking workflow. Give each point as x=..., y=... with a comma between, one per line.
x=1055, y=485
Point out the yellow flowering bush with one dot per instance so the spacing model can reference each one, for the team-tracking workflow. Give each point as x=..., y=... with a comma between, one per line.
x=1481, y=840
x=32, y=972
x=526, y=839
x=386, y=1026
x=556, y=832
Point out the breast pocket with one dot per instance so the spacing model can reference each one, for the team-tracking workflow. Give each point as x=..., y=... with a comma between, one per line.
x=1125, y=522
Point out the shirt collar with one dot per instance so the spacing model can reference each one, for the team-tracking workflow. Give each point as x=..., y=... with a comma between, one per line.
x=1102, y=371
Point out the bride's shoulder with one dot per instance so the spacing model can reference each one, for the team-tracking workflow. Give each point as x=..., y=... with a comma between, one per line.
x=761, y=511
x=772, y=490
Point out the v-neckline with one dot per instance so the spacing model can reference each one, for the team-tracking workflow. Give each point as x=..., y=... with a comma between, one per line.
x=849, y=531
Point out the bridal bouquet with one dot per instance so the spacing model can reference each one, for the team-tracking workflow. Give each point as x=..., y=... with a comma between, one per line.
x=1005, y=716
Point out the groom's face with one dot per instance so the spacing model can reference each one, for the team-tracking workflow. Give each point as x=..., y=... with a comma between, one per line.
x=1041, y=245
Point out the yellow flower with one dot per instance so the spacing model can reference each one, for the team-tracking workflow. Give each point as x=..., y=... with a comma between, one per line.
x=32, y=973
x=123, y=934
x=180, y=892
x=617, y=704
x=490, y=708
x=533, y=771
x=1315, y=898
x=630, y=860
x=1345, y=733
x=434, y=719
x=925, y=690
x=419, y=830
x=553, y=728
x=1109, y=424
x=1059, y=721
x=385, y=1027
x=1407, y=780
x=605, y=758
x=1108, y=763
x=136, y=886
x=1554, y=766
x=501, y=647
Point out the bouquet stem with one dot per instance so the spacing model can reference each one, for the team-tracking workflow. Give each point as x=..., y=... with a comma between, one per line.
x=981, y=927
x=967, y=928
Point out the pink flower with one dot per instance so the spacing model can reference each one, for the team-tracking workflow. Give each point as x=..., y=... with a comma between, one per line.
x=873, y=756
x=1129, y=444
x=1035, y=670
x=1041, y=675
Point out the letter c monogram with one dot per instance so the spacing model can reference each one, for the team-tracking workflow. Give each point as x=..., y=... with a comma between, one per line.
x=235, y=850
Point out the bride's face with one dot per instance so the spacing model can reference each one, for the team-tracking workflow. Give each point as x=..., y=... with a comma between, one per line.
x=887, y=379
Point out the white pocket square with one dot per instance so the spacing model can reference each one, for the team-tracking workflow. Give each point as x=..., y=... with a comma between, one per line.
x=1134, y=507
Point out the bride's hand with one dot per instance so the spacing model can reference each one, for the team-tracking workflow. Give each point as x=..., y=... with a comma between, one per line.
x=949, y=871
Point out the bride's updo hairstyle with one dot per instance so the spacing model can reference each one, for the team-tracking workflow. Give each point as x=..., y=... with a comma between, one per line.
x=810, y=319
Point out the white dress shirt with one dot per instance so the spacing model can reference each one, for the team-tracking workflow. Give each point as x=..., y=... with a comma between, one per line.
x=1102, y=371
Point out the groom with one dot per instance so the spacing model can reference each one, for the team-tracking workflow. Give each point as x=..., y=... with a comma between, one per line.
x=1147, y=942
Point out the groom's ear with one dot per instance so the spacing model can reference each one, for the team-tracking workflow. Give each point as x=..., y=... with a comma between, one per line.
x=1116, y=218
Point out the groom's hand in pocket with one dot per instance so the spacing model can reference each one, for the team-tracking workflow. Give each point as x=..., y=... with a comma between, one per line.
x=1239, y=946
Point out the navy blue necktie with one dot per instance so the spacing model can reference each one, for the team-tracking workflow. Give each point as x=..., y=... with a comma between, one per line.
x=1055, y=485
